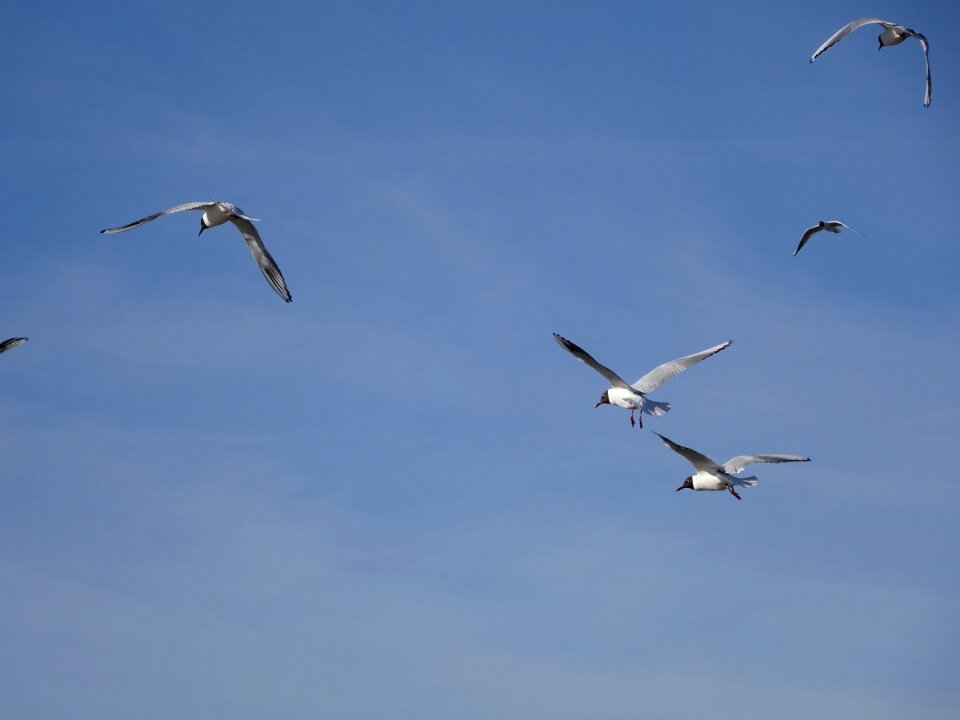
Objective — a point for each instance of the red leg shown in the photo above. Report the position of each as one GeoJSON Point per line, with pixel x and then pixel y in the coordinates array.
{"type": "Point", "coordinates": [734, 493]}
{"type": "Point", "coordinates": [633, 423]}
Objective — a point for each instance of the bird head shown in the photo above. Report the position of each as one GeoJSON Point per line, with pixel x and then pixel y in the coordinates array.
{"type": "Point", "coordinates": [203, 224]}
{"type": "Point", "coordinates": [604, 399]}
{"type": "Point", "coordinates": [687, 484]}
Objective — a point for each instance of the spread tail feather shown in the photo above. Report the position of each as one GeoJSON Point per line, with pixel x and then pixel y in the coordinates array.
{"type": "Point", "coordinates": [654, 407]}
{"type": "Point", "coordinates": [744, 482]}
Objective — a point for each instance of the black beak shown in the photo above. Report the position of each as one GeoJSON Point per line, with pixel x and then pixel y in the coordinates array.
{"type": "Point", "coordinates": [202, 228]}
{"type": "Point", "coordinates": [680, 488]}
{"type": "Point", "coordinates": [596, 405]}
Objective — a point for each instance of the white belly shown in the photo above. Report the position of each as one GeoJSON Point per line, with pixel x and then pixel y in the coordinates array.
{"type": "Point", "coordinates": [891, 36]}
{"type": "Point", "coordinates": [621, 397]}
{"type": "Point", "coordinates": [216, 216]}
{"type": "Point", "coordinates": [706, 481]}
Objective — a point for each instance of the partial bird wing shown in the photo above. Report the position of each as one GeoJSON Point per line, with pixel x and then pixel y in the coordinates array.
{"type": "Point", "coordinates": [844, 31]}
{"type": "Point", "coordinates": [659, 375]}
{"type": "Point", "coordinates": [699, 461]}
{"type": "Point", "coordinates": [264, 260]}
{"type": "Point", "coordinates": [843, 224]}
{"type": "Point", "coordinates": [738, 463]}
{"type": "Point", "coordinates": [11, 343]}
{"type": "Point", "coordinates": [583, 356]}
{"type": "Point", "coordinates": [928, 89]}
{"type": "Point", "coordinates": [237, 212]}
{"type": "Point", "coordinates": [808, 233]}
{"type": "Point", "coordinates": [168, 211]}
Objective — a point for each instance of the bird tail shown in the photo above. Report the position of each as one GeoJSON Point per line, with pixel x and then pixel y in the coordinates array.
{"type": "Point", "coordinates": [655, 407]}
{"type": "Point", "coordinates": [744, 482]}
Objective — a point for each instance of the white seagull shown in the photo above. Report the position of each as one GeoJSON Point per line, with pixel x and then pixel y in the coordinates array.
{"type": "Point", "coordinates": [714, 476]}
{"type": "Point", "coordinates": [216, 213]}
{"type": "Point", "coordinates": [634, 397]}
{"type": "Point", "coordinates": [828, 225]}
{"type": "Point", "coordinates": [892, 34]}
{"type": "Point", "coordinates": [11, 343]}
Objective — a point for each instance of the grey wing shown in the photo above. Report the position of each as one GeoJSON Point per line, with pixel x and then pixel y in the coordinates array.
{"type": "Point", "coordinates": [844, 31]}
{"type": "Point", "coordinates": [660, 374]}
{"type": "Point", "coordinates": [738, 463]}
{"type": "Point", "coordinates": [847, 226]}
{"type": "Point", "coordinates": [583, 356]}
{"type": "Point", "coordinates": [168, 211]}
{"type": "Point", "coordinates": [698, 460]}
{"type": "Point", "coordinates": [264, 260]}
{"type": "Point", "coordinates": [928, 91]}
{"type": "Point", "coordinates": [11, 343]}
{"type": "Point", "coordinates": [810, 232]}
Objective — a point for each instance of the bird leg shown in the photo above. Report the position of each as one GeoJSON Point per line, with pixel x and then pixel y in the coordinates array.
{"type": "Point", "coordinates": [633, 423]}
{"type": "Point", "coordinates": [734, 493]}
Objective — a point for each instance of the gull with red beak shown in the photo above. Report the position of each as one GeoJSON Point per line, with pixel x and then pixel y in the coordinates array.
{"type": "Point", "coordinates": [712, 475]}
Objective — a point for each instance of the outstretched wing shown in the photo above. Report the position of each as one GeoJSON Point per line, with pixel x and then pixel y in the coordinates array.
{"type": "Point", "coordinates": [738, 463]}
{"type": "Point", "coordinates": [583, 356]}
{"type": "Point", "coordinates": [168, 211]}
{"type": "Point", "coordinates": [699, 461]}
{"type": "Point", "coordinates": [659, 375]}
{"type": "Point", "coordinates": [809, 233]}
{"type": "Point", "coordinates": [844, 31]}
{"type": "Point", "coordinates": [264, 260]}
{"type": "Point", "coordinates": [928, 89]}
{"type": "Point", "coordinates": [11, 343]}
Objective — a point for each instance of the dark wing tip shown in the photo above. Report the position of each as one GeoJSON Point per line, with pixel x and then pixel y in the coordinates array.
{"type": "Point", "coordinates": [571, 347]}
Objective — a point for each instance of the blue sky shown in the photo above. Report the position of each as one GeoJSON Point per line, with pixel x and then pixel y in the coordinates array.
{"type": "Point", "coordinates": [392, 499]}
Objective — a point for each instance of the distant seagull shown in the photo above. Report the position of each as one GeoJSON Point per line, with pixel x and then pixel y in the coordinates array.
{"type": "Point", "coordinates": [633, 396]}
{"type": "Point", "coordinates": [892, 34]}
{"type": "Point", "coordinates": [217, 213]}
{"type": "Point", "coordinates": [714, 476]}
{"type": "Point", "coordinates": [828, 225]}
{"type": "Point", "coordinates": [11, 343]}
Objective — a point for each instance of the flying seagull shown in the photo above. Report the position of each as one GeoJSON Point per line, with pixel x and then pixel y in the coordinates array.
{"type": "Point", "coordinates": [11, 343]}
{"type": "Point", "coordinates": [714, 476]}
{"type": "Point", "coordinates": [216, 213]}
{"type": "Point", "coordinates": [828, 225]}
{"type": "Point", "coordinates": [634, 397]}
{"type": "Point", "coordinates": [892, 34]}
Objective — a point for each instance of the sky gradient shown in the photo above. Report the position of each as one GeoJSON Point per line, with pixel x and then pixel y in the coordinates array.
{"type": "Point", "coordinates": [391, 499]}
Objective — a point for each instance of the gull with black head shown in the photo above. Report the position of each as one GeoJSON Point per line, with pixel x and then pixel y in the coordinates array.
{"type": "Point", "coordinates": [828, 225]}
{"type": "Point", "coordinates": [712, 475]}
{"type": "Point", "coordinates": [217, 213]}
{"type": "Point", "coordinates": [634, 397]}
{"type": "Point", "coordinates": [892, 34]}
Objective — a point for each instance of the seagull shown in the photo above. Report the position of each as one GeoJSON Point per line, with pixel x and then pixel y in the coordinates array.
{"type": "Point", "coordinates": [216, 213]}
{"type": "Point", "coordinates": [828, 225]}
{"type": "Point", "coordinates": [714, 476]}
{"type": "Point", "coordinates": [892, 34]}
{"type": "Point", "coordinates": [11, 343]}
{"type": "Point", "coordinates": [634, 396]}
